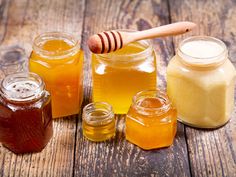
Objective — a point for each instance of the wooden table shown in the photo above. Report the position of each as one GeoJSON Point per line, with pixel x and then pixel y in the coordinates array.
{"type": "Point", "coordinates": [194, 152]}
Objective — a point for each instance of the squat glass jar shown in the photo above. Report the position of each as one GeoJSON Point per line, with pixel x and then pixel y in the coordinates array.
{"type": "Point", "coordinates": [118, 75]}
{"type": "Point", "coordinates": [151, 121]}
{"type": "Point", "coordinates": [25, 113]}
{"type": "Point", "coordinates": [57, 58]}
{"type": "Point", "coordinates": [201, 81]}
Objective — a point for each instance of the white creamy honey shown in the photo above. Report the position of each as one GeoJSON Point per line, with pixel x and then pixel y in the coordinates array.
{"type": "Point", "coordinates": [200, 82]}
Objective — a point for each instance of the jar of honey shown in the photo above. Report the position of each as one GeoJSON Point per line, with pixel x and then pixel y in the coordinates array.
{"type": "Point", "coordinates": [151, 121]}
{"type": "Point", "coordinates": [98, 121]}
{"type": "Point", "coordinates": [25, 113]}
{"type": "Point", "coordinates": [57, 58]}
{"type": "Point", "coordinates": [201, 81]}
{"type": "Point", "coordinates": [118, 75]}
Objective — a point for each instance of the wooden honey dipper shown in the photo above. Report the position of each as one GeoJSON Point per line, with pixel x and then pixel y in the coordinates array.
{"type": "Point", "coordinates": [109, 41]}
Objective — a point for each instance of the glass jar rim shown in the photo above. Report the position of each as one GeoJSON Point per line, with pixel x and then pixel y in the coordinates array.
{"type": "Point", "coordinates": [15, 48]}
{"type": "Point", "coordinates": [198, 61]}
{"type": "Point", "coordinates": [135, 56]}
{"type": "Point", "coordinates": [92, 107]}
{"type": "Point", "coordinates": [9, 79]}
{"type": "Point", "coordinates": [55, 35]}
{"type": "Point", "coordinates": [157, 94]}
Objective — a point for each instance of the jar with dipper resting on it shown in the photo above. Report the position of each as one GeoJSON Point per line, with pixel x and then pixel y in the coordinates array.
{"type": "Point", "coordinates": [57, 58]}
{"type": "Point", "coordinates": [201, 81]}
{"type": "Point", "coordinates": [25, 113]}
{"type": "Point", "coordinates": [98, 121]}
{"type": "Point", "coordinates": [151, 121]}
{"type": "Point", "coordinates": [118, 75]}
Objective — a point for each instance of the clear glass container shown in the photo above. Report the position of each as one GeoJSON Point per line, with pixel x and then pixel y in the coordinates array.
{"type": "Point", "coordinates": [118, 75]}
{"type": "Point", "coordinates": [26, 114]}
{"type": "Point", "coordinates": [57, 58]}
{"type": "Point", "coordinates": [98, 121]}
{"type": "Point", "coordinates": [12, 60]}
{"type": "Point", "coordinates": [151, 121]}
{"type": "Point", "coordinates": [201, 81]}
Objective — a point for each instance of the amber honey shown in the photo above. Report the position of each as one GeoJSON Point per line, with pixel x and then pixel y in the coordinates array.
{"type": "Point", "coordinates": [26, 114]}
{"type": "Point", "coordinates": [98, 122]}
{"type": "Point", "coordinates": [57, 59]}
{"type": "Point", "coordinates": [151, 121]}
{"type": "Point", "coordinates": [117, 76]}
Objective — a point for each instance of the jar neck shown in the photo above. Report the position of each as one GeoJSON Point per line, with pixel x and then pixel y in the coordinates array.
{"type": "Point", "coordinates": [40, 40]}
{"type": "Point", "coordinates": [123, 56]}
{"type": "Point", "coordinates": [209, 52]}
{"type": "Point", "coordinates": [97, 113]}
{"type": "Point", "coordinates": [22, 87]}
{"type": "Point", "coordinates": [151, 102]}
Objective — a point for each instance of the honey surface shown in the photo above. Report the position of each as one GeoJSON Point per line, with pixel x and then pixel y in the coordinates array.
{"type": "Point", "coordinates": [117, 82]}
{"type": "Point", "coordinates": [151, 129]}
{"type": "Point", "coordinates": [95, 130]}
{"type": "Point", "coordinates": [62, 76]}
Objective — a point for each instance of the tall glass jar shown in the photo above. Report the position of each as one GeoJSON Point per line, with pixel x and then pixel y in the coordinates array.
{"type": "Point", "coordinates": [117, 76]}
{"type": "Point", "coordinates": [57, 58]}
{"type": "Point", "coordinates": [201, 81]}
{"type": "Point", "coordinates": [26, 114]}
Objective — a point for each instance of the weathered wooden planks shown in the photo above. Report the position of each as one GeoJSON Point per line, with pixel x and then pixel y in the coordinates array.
{"type": "Point", "coordinates": [212, 153]}
{"type": "Point", "coordinates": [20, 22]}
{"type": "Point", "coordinates": [118, 157]}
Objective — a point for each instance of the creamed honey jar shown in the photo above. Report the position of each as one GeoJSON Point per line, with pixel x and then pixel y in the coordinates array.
{"type": "Point", "coordinates": [201, 82]}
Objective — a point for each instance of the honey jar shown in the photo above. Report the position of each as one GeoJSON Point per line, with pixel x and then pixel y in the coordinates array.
{"type": "Point", "coordinates": [98, 121]}
{"type": "Point", "coordinates": [201, 81]}
{"type": "Point", "coordinates": [57, 58]}
{"type": "Point", "coordinates": [118, 75]}
{"type": "Point", "coordinates": [25, 113]}
{"type": "Point", "coordinates": [151, 120]}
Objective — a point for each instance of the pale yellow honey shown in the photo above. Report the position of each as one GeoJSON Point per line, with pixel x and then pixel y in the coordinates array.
{"type": "Point", "coordinates": [116, 81]}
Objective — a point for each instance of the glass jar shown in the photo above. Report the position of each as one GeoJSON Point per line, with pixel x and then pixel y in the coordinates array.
{"type": "Point", "coordinates": [118, 75]}
{"type": "Point", "coordinates": [26, 115]}
{"type": "Point", "coordinates": [98, 121]}
{"type": "Point", "coordinates": [12, 60]}
{"type": "Point", "coordinates": [57, 58]}
{"type": "Point", "coordinates": [151, 121]}
{"type": "Point", "coordinates": [200, 82]}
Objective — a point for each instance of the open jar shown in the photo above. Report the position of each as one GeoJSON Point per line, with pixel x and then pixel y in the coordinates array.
{"type": "Point", "coordinates": [200, 82]}
{"type": "Point", "coordinates": [57, 58]}
{"type": "Point", "coordinates": [98, 121]}
{"type": "Point", "coordinates": [151, 121]}
{"type": "Point", "coordinates": [118, 75]}
{"type": "Point", "coordinates": [26, 115]}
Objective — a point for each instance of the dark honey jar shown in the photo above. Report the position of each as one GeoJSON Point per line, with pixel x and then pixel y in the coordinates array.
{"type": "Point", "coordinates": [25, 113]}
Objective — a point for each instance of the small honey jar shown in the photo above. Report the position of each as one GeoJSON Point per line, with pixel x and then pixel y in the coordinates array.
{"type": "Point", "coordinates": [151, 121]}
{"type": "Point", "coordinates": [98, 121]}
{"type": "Point", "coordinates": [25, 113]}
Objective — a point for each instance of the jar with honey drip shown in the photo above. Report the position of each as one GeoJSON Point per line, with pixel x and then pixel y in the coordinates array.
{"type": "Point", "coordinates": [151, 120]}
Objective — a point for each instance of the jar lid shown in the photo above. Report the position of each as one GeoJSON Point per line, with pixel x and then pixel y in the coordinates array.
{"type": "Point", "coordinates": [21, 87]}
{"type": "Point", "coordinates": [202, 51]}
{"type": "Point", "coordinates": [12, 55]}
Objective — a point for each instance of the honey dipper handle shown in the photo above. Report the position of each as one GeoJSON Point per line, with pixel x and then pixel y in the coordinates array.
{"type": "Point", "coordinates": [166, 30]}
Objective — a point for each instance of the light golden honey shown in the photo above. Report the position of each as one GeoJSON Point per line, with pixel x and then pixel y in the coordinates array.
{"type": "Point", "coordinates": [151, 122]}
{"type": "Point", "coordinates": [98, 122]}
{"type": "Point", "coordinates": [60, 66]}
{"type": "Point", "coordinates": [117, 76]}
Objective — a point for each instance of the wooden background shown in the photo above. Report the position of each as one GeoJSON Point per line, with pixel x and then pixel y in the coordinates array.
{"type": "Point", "coordinates": [194, 152]}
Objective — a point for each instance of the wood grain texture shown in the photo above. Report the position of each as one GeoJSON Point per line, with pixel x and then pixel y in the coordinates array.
{"type": "Point", "coordinates": [212, 153]}
{"type": "Point", "coordinates": [20, 22]}
{"type": "Point", "coordinates": [119, 157]}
